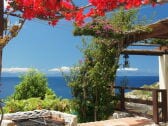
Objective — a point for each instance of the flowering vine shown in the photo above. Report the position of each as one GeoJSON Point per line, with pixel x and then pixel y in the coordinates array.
{"type": "Point", "coordinates": [98, 28]}
{"type": "Point", "coordinates": [53, 10]}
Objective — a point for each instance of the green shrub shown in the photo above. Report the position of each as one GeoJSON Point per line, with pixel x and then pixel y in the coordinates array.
{"type": "Point", "coordinates": [13, 106]}
{"type": "Point", "coordinates": [30, 104]}
{"type": "Point", "coordinates": [33, 93]}
{"type": "Point", "coordinates": [33, 84]}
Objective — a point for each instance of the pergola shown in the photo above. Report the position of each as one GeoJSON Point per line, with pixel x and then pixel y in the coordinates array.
{"type": "Point", "coordinates": [158, 30]}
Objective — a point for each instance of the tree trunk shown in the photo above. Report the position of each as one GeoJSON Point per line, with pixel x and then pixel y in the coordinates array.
{"type": "Point", "coordinates": [1, 50]}
{"type": "Point", "coordinates": [1, 47]}
{"type": "Point", "coordinates": [1, 31]}
{"type": "Point", "coordinates": [96, 105]}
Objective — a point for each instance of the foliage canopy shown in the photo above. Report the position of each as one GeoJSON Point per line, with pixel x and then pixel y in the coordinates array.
{"type": "Point", "coordinates": [53, 10]}
{"type": "Point", "coordinates": [92, 84]}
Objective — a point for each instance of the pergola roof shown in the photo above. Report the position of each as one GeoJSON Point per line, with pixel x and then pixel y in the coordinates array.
{"type": "Point", "coordinates": [157, 30]}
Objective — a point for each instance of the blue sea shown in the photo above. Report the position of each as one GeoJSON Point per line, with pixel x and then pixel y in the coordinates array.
{"type": "Point", "coordinates": [59, 85]}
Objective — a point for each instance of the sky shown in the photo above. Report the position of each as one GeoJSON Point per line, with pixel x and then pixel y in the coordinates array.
{"type": "Point", "coordinates": [51, 49]}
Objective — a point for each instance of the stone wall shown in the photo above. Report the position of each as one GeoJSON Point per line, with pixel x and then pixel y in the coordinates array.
{"type": "Point", "coordinates": [12, 119]}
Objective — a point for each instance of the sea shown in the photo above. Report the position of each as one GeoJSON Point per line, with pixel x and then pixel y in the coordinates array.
{"type": "Point", "coordinates": [60, 87]}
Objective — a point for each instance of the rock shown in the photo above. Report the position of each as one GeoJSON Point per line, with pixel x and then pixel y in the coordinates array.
{"type": "Point", "coordinates": [27, 115]}
{"type": "Point", "coordinates": [119, 114]}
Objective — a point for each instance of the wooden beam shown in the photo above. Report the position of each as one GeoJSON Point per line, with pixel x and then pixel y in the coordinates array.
{"type": "Point", "coordinates": [144, 44]}
{"type": "Point", "coordinates": [144, 52]}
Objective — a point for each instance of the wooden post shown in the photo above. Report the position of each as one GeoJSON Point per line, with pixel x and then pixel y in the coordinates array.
{"type": "Point", "coordinates": [164, 105]}
{"type": "Point", "coordinates": [155, 106]}
{"type": "Point", "coordinates": [122, 98]}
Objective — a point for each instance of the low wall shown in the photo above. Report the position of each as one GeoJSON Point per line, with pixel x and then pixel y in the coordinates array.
{"type": "Point", "coordinates": [37, 116]}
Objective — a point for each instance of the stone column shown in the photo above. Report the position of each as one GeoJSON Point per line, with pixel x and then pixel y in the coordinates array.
{"type": "Point", "coordinates": [163, 73]}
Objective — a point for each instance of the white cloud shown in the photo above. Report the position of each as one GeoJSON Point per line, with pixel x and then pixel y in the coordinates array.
{"type": "Point", "coordinates": [15, 70]}
{"type": "Point", "coordinates": [67, 69]}
{"type": "Point", "coordinates": [127, 69]}
{"type": "Point", "coordinates": [62, 69]}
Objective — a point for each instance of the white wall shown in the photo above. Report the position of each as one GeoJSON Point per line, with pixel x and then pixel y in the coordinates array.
{"type": "Point", "coordinates": [163, 73]}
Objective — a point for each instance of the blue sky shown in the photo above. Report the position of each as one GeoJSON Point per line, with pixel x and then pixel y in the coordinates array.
{"type": "Point", "coordinates": [48, 49]}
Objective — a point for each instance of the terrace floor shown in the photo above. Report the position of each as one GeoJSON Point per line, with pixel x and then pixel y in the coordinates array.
{"type": "Point", "coordinates": [128, 121]}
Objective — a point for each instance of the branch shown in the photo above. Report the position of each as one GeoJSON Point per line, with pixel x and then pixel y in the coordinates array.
{"type": "Point", "coordinates": [84, 7]}
{"type": "Point", "coordinates": [12, 14]}
{"type": "Point", "coordinates": [13, 32]}
{"type": "Point", "coordinates": [72, 3]}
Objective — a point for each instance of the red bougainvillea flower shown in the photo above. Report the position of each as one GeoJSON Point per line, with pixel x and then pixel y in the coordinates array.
{"type": "Point", "coordinates": [53, 10]}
